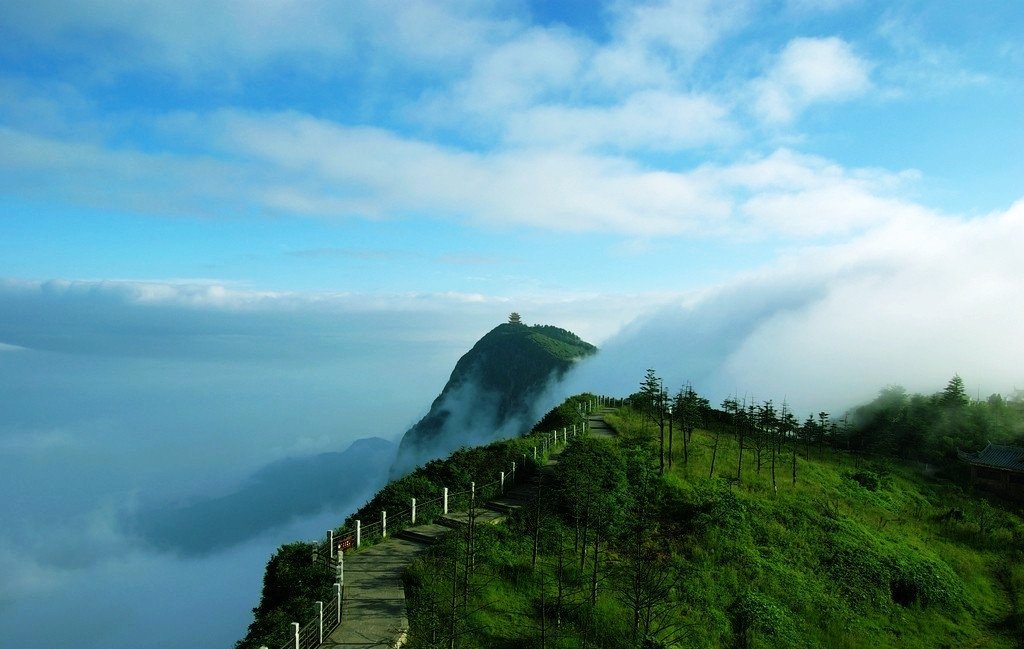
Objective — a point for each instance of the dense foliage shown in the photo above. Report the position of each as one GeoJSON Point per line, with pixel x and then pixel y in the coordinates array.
{"type": "Point", "coordinates": [564, 415]}
{"type": "Point", "coordinates": [619, 551]}
{"type": "Point", "coordinates": [931, 428]}
{"type": "Point", "coordinates": [292, 583]}
{"type": "Point", "coordinates": [496, 384]}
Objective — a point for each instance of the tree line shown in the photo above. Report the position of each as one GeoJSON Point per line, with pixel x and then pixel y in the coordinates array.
{"type": "Point", "coordinates": [927, 428]}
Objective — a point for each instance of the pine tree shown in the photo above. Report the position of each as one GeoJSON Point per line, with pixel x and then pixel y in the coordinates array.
{"type": "Point", "coordinates": [955, 395]}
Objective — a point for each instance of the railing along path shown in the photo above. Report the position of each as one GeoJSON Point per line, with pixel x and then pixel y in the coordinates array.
{"type": "Point", "coordinates": [329, 613]}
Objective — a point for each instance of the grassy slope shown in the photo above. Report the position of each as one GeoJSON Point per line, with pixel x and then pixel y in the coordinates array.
{"type": "Point", "coordinates": [827, 562]}
{"type": "Point", "coordinates": [291, 584]}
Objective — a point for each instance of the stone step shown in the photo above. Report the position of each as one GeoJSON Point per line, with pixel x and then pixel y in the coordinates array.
{"type": "Point", "coordinates": [450, 522]}
{"type": "Point", "coordinates": [459, 520]}
{"type": "Point", "coordinates": [504, 505]}
{"type": "Point", "coordinates": [427, 534]}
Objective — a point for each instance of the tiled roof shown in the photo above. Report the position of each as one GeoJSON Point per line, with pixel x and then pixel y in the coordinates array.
{"type": "Point", "coordinates": [1010, 458]}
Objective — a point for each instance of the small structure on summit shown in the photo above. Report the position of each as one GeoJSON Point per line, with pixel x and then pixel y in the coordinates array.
{"type": "Point", "coordinates": [998, 467]}
{"type": "Point", "coordinates": [513, 318]}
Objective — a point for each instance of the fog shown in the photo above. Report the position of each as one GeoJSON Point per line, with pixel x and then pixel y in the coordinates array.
{"type": "Point", "coordinates": [469, 415]}
{"type": "Point", "coordinates": [910, 303]}
{"type": "Point", "coordinates": [158, 442]}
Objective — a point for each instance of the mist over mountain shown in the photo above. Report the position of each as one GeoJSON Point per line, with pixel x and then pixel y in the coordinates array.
{"type": "Point", "coordinates": [494, 390]}
{"type": "Point", "coordinates": [273, 496]}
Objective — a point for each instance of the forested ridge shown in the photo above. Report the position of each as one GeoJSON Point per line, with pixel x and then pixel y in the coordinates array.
{"type": "Point", "coordinates": [751, 528]}
{"type": "Point", "coordinates": [741, 525]}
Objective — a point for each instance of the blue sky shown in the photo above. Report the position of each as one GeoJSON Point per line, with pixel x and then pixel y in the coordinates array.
{"type": "Point", "coordinates": [236, 232]}
{"type": "Point", "coordinates": [396, 147]}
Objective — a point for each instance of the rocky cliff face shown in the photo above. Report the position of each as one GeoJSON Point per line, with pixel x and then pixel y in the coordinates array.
{"type": "Point", "coordinates": [493, 391]}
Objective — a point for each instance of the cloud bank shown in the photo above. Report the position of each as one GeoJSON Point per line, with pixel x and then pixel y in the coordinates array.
{"type": "Point", "coordinates": [909, 303]}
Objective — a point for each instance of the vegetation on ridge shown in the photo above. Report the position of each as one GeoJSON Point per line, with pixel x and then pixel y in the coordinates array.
{"type": "Point", "coordinates": [292, 582]}
{"type": "Point", "coordinates": [492, 390]}
{"type": "Point", "coordinates": [860, 549]}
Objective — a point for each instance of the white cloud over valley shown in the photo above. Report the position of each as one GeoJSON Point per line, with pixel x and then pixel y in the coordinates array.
{"type": "Point", "coordinates": [910, 303]}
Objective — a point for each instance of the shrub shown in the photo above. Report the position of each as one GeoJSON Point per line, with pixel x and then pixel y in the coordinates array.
{"type": "Point", "coordinates": [867, 479]}
{"type": "Point", "coordinates": [755, 613]}
{"type": "Point", "coordinates": [873, 572]}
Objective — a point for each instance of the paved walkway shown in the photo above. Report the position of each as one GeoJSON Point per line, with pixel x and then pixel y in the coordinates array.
{"type": "Point", "coordinates": [597, 425]}
{"type": "Point", "coordinates": [374, 602]}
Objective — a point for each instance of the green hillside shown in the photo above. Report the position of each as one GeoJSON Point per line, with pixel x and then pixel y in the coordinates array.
{"type": "Point", "coordinates": [292, 583]}
{"type": "Point", "coordinates": [494, 386]}
{"type": "Point", "coordinates": [858, 552]}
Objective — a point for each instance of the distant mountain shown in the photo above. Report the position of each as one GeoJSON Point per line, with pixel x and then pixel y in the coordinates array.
{"type": "Point", "coordinates": [493, 390]}
{"type": "Point", "coordinates": [272, 497]}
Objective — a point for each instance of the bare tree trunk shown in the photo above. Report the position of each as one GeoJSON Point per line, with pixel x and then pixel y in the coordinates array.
{"type": "Point", "coordinates": [597, 561]}
{"type": "Point", "coordinates": [739, 464]}
{"type": "Point", "coordinates": [536, 524]}
{"type": "Point", "coordinates": [686, 449]}
{"type": "Point", "coordinates": [775, 487]}
{"type": "Point", "coordinates": [670, 443]}
{"type": "Point", "coordinates": [794, 465]}
{"type": "Point", "coordinates": [561, 579]}
{"type": "Point", "coordinates": [583, 545]}
{"type": "Point", "coordinates": [543, 612]}
{"type": "Point", "coordinates": [455, 598]}
{"type": "Point", "coordinates": [661, 460]}
{"type": "Point", "coordinates": [714, 453]}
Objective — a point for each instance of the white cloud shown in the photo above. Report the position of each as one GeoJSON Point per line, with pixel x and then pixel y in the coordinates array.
{"type": "Point", "coordinates": [923, 67]}
{"type": "Point", "coordinates": [807, 197]}
{"type": "Point", "coordinates": [649, 120]}
{"type": "Point", "coordinates": [681, 29]}
{"type": "Point", "coordinates": [385, 175]}
{"type": "Point", "coordinates": [838, 208]}
{"type": "Point", "coordinates": [911, 302]}
{"type": "Point", "coordinates": [37, 441]}
{"type": "Point", "coordinates": [809, 71]}
{"type": "Point", "coordinates": [517, 73]}
{"type": "Point", "coordinates": [292, 163]}
{"type": "Point", "coordinates": [219, 39]}
{"type": "Point", "coordinates": [24, 576]}
{"type": "Point", "coordinates": [819, 5]}
{"type": "Point", "coordinates": [547, 189]}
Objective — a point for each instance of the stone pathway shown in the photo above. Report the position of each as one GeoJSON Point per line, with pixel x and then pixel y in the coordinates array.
{"type": "Point", "coordinates": [374, 602]}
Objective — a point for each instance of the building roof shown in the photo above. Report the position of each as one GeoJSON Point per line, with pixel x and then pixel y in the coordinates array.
{"type": "Point", "coordinates": [1009, 458]}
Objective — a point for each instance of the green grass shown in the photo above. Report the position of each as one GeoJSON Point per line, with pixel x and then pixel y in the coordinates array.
{"type": "Point", "coordinates": [856, 554]}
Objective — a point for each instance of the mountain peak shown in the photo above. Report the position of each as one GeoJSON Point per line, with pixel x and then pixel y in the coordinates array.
{"type": "Point", "coordinates": [493, 390]}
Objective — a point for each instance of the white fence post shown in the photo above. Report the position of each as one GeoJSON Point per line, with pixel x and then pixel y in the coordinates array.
{"type": "Point", "coordinates": [502, 482]}
{"type": "Point", "coordinates": [413, 511]}
{"type": "Point", "coordinates": [341, 567]}
{"type": "Point", "coordinates": [383, 523]}
{"type": "Point", "coordinates": [513, 471]}
{"type": "Point", "coordinates": [320, 613]}
{"type": "Point", "coordinates": [472, 493]}
{"type": "Point", "coordinates": [330, 542]}
{"type": "Point", "coordinates": [296, 625]}
{"type": "Point", "coordinates": [359, 532]}
{"type": "Point", "coordinates": [446, 501]}
{"type": "Point", "coordinates": [337, 599]}
{"type": "Point", "coordinates": [534, 453]}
